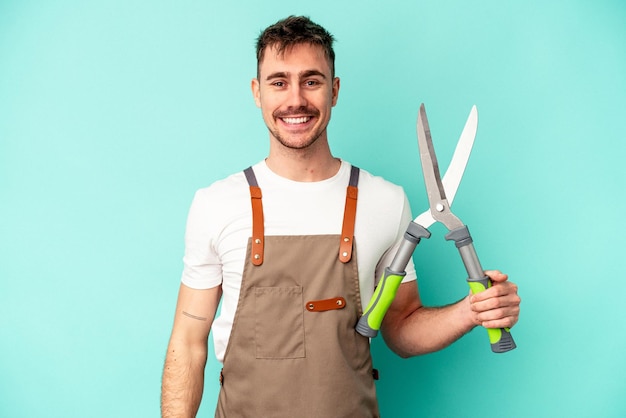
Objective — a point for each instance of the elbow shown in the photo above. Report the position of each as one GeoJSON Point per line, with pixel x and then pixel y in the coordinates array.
{"type": "Point", "coordinates": [399, 347]}
{"type": "Point", "coordinates": [403, 354]}
{"type": "Point", "coordinates": [406, 353]}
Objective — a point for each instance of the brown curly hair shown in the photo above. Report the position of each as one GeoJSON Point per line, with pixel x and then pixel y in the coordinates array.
{"type": "Point", "coordinates": [295, 30]}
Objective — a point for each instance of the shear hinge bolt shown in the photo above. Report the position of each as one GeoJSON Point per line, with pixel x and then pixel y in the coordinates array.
{"type": "Point", "coordinates": [439, 207]}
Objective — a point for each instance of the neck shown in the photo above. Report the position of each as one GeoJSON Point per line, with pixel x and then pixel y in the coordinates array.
{"type": "Point", "coordinates": [306, 165]}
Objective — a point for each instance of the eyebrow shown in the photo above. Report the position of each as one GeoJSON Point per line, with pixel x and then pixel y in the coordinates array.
{"type": "Point", "coordinates": [310, 73]}
{"type": "Point", "coordinates": [303, 74]}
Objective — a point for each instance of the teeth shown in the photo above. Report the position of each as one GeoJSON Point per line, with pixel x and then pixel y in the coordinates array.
{"type": "Point", "coordinates": [293, 121]}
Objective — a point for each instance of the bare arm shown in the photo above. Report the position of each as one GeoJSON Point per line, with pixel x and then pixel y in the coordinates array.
{"type": "Point", "coordinates": [410, 329]}
{"type": "Point", "coordinates": [183, 374]}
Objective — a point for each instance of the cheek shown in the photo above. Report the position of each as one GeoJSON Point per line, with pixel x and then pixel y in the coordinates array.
{"type": "Point", "coordinates": [268, 113]}
{"type": "Point", "coordinates": [268, 103]}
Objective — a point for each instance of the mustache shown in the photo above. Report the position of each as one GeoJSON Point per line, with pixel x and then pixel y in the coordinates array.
{"type": "Point", "coordinates": [300, 111]}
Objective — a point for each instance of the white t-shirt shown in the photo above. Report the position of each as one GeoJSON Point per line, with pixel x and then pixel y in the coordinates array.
{"type": "Point", "coordinates": [220, 223]}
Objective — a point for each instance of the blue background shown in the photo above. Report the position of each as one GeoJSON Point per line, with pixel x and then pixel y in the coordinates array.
{"type": "Point", "coordinates": [112, 113]}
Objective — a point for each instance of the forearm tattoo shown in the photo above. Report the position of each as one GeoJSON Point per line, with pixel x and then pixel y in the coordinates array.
{"type": "Point", "coordinates": [199, 318]}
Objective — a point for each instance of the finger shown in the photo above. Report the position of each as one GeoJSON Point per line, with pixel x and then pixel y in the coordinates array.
{"type": "Point", "coordinates": [496, 276]}
{"type": "Point", "coordinates": [505, 296]}
{"type": "Point", "coordinates": [505, 309]}
{"type": "Point", "coordinates": [499, 318]}
{"type": "Point", "coordinates": [508, 322]}
{"type": "Point", "coordinates": [496, 308]}
{"type": "Point", "coordinates": [498, 289]}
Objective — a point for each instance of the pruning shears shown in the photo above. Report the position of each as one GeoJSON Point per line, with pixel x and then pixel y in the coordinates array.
{"type": "Point", "coordinates": [440, 196]}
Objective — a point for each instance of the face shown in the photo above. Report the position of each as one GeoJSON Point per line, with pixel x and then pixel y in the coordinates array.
{"type": "Point", "coordinates": [296, 92]}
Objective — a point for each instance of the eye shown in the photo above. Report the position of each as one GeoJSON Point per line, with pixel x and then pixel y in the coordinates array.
{"type": "Point", "coordinates": [311, 83]}
{"type": "Point", "coordinates": [278, 84]}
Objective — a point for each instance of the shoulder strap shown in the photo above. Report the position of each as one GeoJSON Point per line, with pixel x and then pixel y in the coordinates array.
{"type": "Point", "coordinates": [258, 232]}
{"type": "Point", "coordinates": [349, 216]}
{"type": "Point", "coordinates": [347, 230]}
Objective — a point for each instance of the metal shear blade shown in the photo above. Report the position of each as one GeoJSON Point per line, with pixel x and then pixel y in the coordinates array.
{"type": "Point", "coordinates": [440, 192]}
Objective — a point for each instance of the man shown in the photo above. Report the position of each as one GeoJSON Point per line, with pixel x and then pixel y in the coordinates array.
{"type": "Point", "coordinates": [292, 248]}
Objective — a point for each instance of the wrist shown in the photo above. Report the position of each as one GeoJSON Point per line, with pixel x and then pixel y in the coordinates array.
{"type": "Point", "coordinates": [467, 315]}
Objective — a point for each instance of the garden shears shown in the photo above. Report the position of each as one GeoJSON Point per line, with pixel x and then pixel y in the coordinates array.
{"type": "Point", "coordinates": [440, 196]}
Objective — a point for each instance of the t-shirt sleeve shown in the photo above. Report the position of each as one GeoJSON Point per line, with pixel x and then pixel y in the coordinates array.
{"type": "Point", "coordinates": [202, 266]}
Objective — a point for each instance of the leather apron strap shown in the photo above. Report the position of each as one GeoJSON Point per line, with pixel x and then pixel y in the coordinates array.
{"type": "Point", "coordinates": [347, 230]}
{"type": "Point", "coordinates": [258, 232]}
{"type": "Point", "coordinates": [349, 216]}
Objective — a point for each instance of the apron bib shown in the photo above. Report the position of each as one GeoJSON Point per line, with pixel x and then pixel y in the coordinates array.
{"type": "Point", "coordinates": [293, 350]}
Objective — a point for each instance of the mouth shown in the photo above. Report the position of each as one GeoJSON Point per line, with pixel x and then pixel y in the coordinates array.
{"type": "Point", "coordinates": [297, 118]}
{"type": "Point", "coordinates": [296, 121]}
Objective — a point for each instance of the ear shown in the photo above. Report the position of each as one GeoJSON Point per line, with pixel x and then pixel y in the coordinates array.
{"type": "Point", "coordinates": [256, 91]}
{"type": "Point", "coordinates": [336, 85]}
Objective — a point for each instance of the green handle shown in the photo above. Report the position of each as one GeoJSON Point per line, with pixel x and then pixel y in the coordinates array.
{"type": "Point", "coordinates": [500, 338]}
{"type": "Point", "coordinates": [385, 292]}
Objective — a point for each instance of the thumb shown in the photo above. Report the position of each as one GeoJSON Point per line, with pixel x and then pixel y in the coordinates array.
{"type": "Point", "coordinates": [496, 276]}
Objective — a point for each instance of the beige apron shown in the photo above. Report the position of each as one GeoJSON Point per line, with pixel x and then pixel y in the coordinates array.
{"type": "Point", "coordinates": [293, 351]}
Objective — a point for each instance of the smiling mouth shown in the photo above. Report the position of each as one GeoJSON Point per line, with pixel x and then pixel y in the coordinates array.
{"type": "Point", "coordinates": [296, 121]}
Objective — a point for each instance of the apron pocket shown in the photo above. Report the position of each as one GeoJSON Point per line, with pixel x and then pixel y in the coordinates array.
{"type": "Point", "coordinates": [279, 322]}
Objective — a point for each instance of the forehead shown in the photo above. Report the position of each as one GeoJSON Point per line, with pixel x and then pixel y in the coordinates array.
{"type": "Point", "coordinates": [294, 59]}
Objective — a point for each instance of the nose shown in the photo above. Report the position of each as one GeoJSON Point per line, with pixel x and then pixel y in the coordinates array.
{"type": "Point", "coordinates": [296, 97]}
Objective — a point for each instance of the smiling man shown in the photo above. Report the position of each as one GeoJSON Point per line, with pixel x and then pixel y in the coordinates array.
{"type": "Point", "coordinates": [296, 90]}
{"type": "Point", "coordinates": [293, 257]}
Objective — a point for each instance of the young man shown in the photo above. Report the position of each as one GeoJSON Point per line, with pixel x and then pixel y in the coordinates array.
{"type": "Point", "coordinates": [294, 255]}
